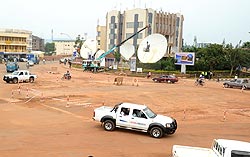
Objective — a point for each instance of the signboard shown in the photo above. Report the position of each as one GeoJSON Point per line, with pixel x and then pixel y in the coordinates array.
{"type": "Point", "coordinates": [185, 58]}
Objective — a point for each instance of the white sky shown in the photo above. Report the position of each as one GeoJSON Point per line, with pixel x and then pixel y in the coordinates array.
{"type": "Point", "coordinates": [208, 20]}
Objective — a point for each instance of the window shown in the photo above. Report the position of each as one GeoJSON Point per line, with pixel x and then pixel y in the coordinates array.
{"type": "Point", "coordinates": [124, 111]}
{"type": "Point", "coordinates": [236, 153]}
{"type": "Point", "coordinates": [138, 113]}
{"type": "Point", "coordinates": [98, 33]}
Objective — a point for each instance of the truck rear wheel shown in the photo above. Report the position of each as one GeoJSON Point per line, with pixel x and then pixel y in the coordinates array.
{"type": "Point", "coordinates": [156, 132]}
{"type": "Point", "coordinates": [15, 80]}
{"type": "Point", "coordinates": [109, 125]}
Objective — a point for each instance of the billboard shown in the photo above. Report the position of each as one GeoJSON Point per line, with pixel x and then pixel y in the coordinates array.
{"type": "Point", "coordinates": [185, 58]}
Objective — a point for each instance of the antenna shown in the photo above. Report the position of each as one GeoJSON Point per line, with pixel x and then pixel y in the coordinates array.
{"type": "Point", "coordinates": [52, 35]}
{"type": "Point", "coordinates": [152, 48]}
{"type": "Point", "coordinates": [127, 50]}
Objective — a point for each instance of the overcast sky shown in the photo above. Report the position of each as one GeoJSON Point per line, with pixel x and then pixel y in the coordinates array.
{"type": "Point", "coordinates": [210, 21]}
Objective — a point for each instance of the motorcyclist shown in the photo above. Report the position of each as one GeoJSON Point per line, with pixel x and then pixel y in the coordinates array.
{"type": "Point", "coordinates": [67, 75]}
{"type": "Point", "coordinates": [200, 80]}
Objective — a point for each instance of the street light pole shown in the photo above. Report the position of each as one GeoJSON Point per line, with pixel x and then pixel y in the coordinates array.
{"type": "Point", "coordinates": [66, 35]}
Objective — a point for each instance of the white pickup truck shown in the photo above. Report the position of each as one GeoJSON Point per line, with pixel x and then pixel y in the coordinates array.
{"type": "Point", "coordinates": [220, 148]}
{"type": "Point", "coordinates": [135, 117]}
{"type": "Point", "coordinates": [20, 76]}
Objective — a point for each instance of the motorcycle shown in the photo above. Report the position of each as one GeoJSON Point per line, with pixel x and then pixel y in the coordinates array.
{"type": "Point", "coordinates": [66, 77]}
{"type": "Point", "coordinates": [199, 82]}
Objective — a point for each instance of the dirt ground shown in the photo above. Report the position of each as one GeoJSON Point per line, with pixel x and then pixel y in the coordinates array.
{"type": "Point", "coordinates": [53, 117]}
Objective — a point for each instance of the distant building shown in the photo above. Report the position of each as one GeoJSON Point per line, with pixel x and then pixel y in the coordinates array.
{"type": "Point", "coordinates": [202, 45]}
{"type": "Point", "coordinates": [120, 26]}
{"type": "Point", "coordinates": [37, 44]}
{"type": "Point", "coordinates": [64, 47]}
{"type": "Point", "coordinates": [15, 42]}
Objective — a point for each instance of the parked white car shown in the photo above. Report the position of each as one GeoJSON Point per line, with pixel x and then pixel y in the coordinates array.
{"type": "Point", "coordinates": [135, 117]}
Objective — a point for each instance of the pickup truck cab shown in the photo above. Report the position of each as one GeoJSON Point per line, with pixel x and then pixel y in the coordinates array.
{"type": "Point", "coordinates": [220, 148]}
{"type": "Point", "coordinates": [135, 117]}
{"type": "Point", "coordinates": [20, 76]}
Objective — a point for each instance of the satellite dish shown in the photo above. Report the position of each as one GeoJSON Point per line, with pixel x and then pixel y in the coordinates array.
{"type": "Point", "coordinates": [127, 50]}
{"type": "Point", "coordinates": [152, 48]}
{"type": "Point", "coordinates": [91, 44]}
{"type": "Point", "coordinates": [99, 53]}
{"type": "Point", "coordinates": [85, 52]}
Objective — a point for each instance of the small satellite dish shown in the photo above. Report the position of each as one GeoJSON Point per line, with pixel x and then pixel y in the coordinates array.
{"type": "Point", "coordinates": [127, 50]}
{"type": "Point", "coordinates": [85, 52]}
{"type": "Point", "coordinates": [99, 53]}
{"type": "Point", "coordinates": [152, 48]}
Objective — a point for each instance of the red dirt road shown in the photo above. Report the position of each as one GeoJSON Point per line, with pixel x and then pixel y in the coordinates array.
{"type": "Point", "coordinates": [37, 123]}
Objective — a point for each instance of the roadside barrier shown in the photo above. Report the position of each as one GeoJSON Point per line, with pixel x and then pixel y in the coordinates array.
{"type": "Point", "coordinates": [224, 115]}
{"type": "Point", "coordinates": [184, 114]}
{"type": "Point", "coordinates": [12, 94]}
{"type": "Point", "coordinates": [135, 81]}
{"type": "Point", "coordinates": [27, 94]}
{"type": "Point", "coordinates": [42, 97]}
{"type": "Point", "coordinates": [67, 105]}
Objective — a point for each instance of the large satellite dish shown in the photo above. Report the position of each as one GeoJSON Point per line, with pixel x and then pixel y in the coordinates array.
{"type": "Point", "coordinates": [99, 53]}
{"type": "Point", "coordinates": [88, 49]}
{"type": "Point", "coordinates": [85, 52]}
{"type": "Point", "coordinates": [152, 48]}
{"type": "Point", "coordinates": [91, 44]}
{"type": "Point", "coordinates": [127, 50]}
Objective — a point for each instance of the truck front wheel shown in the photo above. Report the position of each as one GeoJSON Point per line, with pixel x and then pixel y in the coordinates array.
{"type": "Point", "coordinates": [156, 132]}
{"type": "Point", "coordinates": [109, 125]}
{"type": "Point", "coordinates": [31, 79]}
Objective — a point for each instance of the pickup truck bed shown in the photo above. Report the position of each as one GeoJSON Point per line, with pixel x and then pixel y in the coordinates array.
{"type": "Point", "coordinates": [187, 151]}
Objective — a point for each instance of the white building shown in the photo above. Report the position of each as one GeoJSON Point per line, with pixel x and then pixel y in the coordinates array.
{"type": "Point", "coordinates": [64, 47]}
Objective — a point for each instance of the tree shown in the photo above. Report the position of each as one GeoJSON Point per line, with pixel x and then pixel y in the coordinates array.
{"type": "Point", "coordinates": [232, 57]}
{"type": "Point", "coordinates": [246, 45]}
{"type": "Point", "coordinates": [117, 56]}
{"type": "Point", "coordinates": [50, 48]}
{"type": "Point", "coordinates": [78, 43]}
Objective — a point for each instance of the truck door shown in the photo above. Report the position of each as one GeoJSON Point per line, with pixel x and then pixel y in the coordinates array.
{"type": "Point", "coordinates": [139, 120]}
{"type": "Point", "coordinates": [123, 117]}
{"type": "Point", "coordinates": [21, 76]}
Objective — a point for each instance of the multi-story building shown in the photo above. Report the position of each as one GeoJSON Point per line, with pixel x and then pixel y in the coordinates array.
{"type": "Point", "coordinates": [37, 44]}
{"type": "Point", "coordinates": [120, 26]}
{"type": "Point", "coordinates": [64, 47]}
{"type": "Point", "coordinates": [15, 42]}
{"type": "Point", "coordinates": [101, 37]}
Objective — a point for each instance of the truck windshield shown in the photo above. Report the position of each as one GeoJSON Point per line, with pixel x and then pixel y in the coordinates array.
{"type": "Point", "coordinates": [237, 153]}
{"type": "Point", "coordinates": [15, 73]}
{"type": "Point", "coordinates": [149, 112]}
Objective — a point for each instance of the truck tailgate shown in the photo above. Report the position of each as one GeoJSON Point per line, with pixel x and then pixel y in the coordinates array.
{"type": "Point", "coordinates": [101, 111]}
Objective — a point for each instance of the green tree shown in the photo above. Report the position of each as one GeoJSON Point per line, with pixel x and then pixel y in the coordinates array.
{"type": "Point", "coordinates": [50, 48]}
{"type": "Point", "coordinates": [246, 45]}
{"type": "Point", "coordinates": [232, 57]}
{"type": "Point", "coordinates": [117, 56]}
{"type": "Point", "coordinates": [78, 43]}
